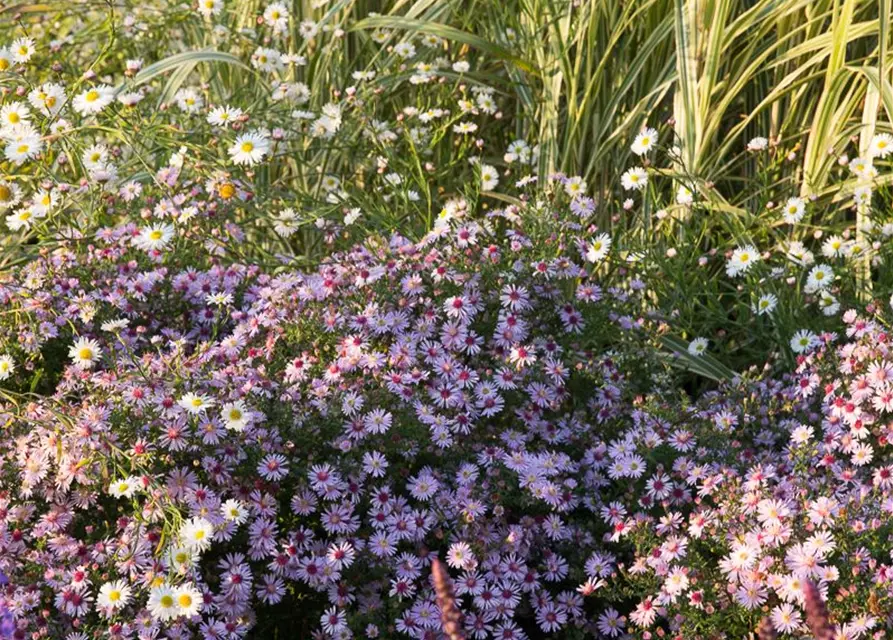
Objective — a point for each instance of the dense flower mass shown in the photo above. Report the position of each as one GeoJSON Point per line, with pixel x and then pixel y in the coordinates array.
{"type": "Point", "coordinates": [481, 396]}
{"type": "Point", "coordinates": [431, 380]}
{"type": "Point", "coordinates": [296, 301]}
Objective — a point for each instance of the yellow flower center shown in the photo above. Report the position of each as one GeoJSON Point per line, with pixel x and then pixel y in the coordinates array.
{"type": "Point", "coordinates": [227, 190]}
{"type": "Point", "coordinates": [114, 596]}
{"type": "Point", "coordinates": [14, 117]}
{"type": "Point", "coordinates": [185, 600]}
{"type": "Point", "coordinates": [235, 414]}
{"type": "Point", "coordinates": [85, 353]}
{"type": "Point", "coordinates": [23, 148]}
{"type": "Point", "coordinates": [167, 601]}
{"type": "Point", "coordinates": [5, 193]}
{"type": "Point", "coordinates": [197, 402]}
{"type": "Point", "coordinates": [247, 147]}
{"type": "Point", "coordinates": [92, 96]}
{"type": "Point", "coordinates": [4, 64]}
{"type": "Point", "coordinates": [155, 234]}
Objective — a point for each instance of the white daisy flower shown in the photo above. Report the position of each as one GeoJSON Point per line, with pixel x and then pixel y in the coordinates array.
{"type": "Point", "coordinates": [113, 326]}
{"type": "Point", "coordinates": [644, 142]}
{"type": "Point", "coordinates": [84, 353]}
{"type": "Point", "coordinates": [820, 278]}
{"type": "Point", "coordinates": [210, 8]}
{"type": "Point", "coordinates": [742, 259]}
{"type": "Point", "coordinates": [155, 237]}
{"type": "Point", "coordinates": [195, 403]}
{"type": "Point", "coordinates": [758, 144]}
{"type": "Point", "coordinates": [489, 177]}
{"type": "Point", "coordinates": [575, 186]}
{"type": "Point", "coordinates": [250, 148]}
{"type": "Point", "coordinates": [124, 488]}
{"type": "Point", "coordinates": [196, 534]}
{"type": "Point", "coordinates": [113, 596]}
{"type": "Point", "coordinates": [634, 179]}
{"type": "Point", "coordinates": [599, 248]}
{"type": "Point", "coordinates": [234, 511]}
{"type": "Point", "coordinates": [698, 346]}
{"type": "Point", "coordinates": [7, 366]}
{"type": "Point", "coordinates": [765, 304]}
{"type": "Point", "coordinates": [235, 415]}
{"type": "Point", "coordinates": [23, 143]}
{"type": "Point", "coordinates": [22, 50]}
{"type": "Point", "coordinates": [881, 145]}
{"type": "Point", "coordinates": [93, 100]}
{"type": "Point", "coordinates": [10, 194]}
{"type": "Point", "coordinates": [803, 341]}
{"type": "Point", "coordinates": [189, 600]}
{"type": "Point", "coordinates": [223, 116]}
{"type": "Point", "coordinates": [162, 603]}
{"type": "Point", "coordinates": [794, 210]}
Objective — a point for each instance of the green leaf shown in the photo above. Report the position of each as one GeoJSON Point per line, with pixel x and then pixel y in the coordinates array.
{"type": "Point", "coordinates": [704, 365]}
{"type": "Point", "coordinates": [447, 33]}
{"type": "Point", "coordinates": [186, 60]}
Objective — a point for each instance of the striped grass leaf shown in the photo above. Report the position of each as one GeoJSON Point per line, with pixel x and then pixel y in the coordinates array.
{"type": "Point", "coordinates": [447, 33]}
{"type": "Point", "coordinates": [187, 59]}
{"type": "Point", "coordinates": [704, 365]}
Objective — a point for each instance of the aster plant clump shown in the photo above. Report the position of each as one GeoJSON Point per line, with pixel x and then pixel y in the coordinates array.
{"type": "Point", "coordinates": [222, 441]}
{"type": "Point", "coordinates": [785, 495]}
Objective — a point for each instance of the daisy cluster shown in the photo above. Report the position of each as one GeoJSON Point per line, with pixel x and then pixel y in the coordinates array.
{"type": "Point", "coordinates": [405, 114]}
{"type": "Point", "coordinates": [792, 257]}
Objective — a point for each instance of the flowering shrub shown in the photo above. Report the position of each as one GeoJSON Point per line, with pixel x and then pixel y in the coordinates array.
{"type": "Point", "coordinates": [248, 438]}
{"type": "Point", "coordinates": [801, 494]}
